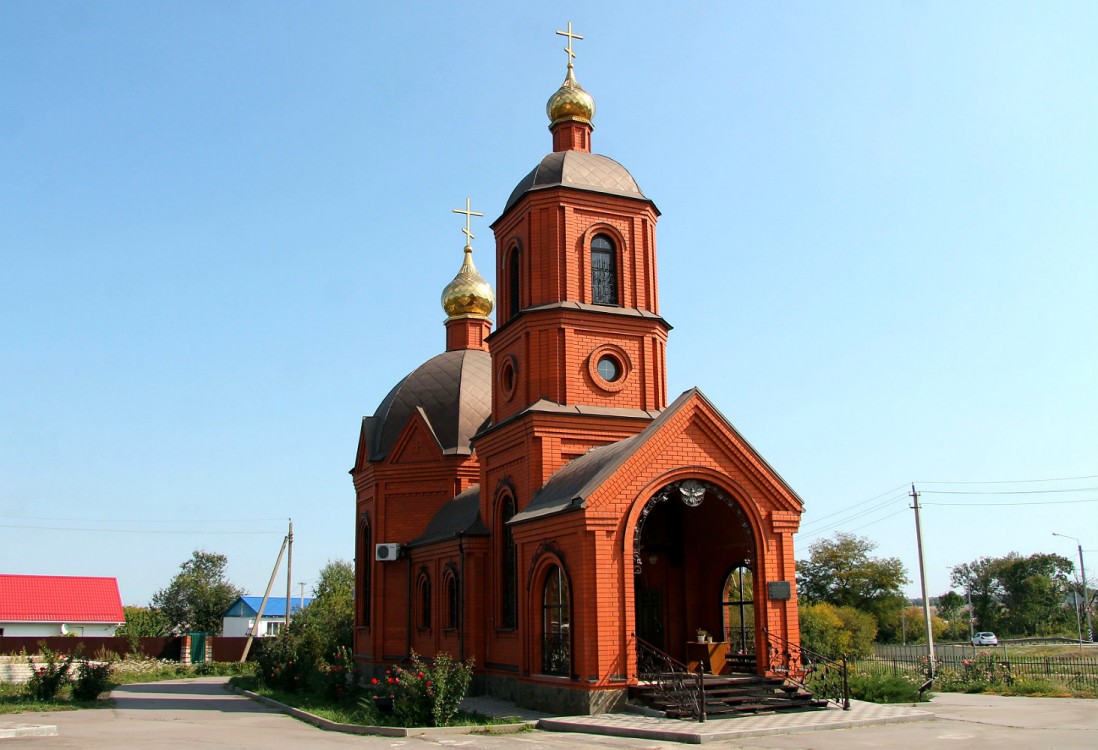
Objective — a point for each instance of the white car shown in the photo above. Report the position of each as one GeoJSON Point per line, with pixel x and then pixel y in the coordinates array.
{"type": "Point", "coordinates": [985, 639]}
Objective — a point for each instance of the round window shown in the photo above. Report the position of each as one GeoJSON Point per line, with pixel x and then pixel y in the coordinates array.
{"type": "Point", "coordinates": [609, 369]}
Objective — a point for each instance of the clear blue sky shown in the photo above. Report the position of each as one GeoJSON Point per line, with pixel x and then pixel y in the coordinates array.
{"type": "Point", "coordinates": [224, 228]}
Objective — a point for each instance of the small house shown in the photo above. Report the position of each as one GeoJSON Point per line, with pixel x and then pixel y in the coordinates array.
{"type": "Point", "coordinates": [43, 606]}
{"type": "Point", "coordinates": [239, 618]}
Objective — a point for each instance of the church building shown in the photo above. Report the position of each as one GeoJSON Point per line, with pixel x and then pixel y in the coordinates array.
{"type": "Point", "coordinates": [530, 499]}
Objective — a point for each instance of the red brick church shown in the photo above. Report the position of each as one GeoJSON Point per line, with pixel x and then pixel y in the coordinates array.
{"type": "Point", "coordinates": [529, 498]}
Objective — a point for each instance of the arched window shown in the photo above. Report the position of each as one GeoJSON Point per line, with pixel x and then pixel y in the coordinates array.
{"type": "Point", "coordinates": [453, 606]}
{"type": "Point", "coordinates": [604, 271]}
{"type": "Point", "coordinates": [508, 568]}
{"type": "Point", "coordinates": [366, 556]}
{"type": "Point", "coordinates": [423, 587]}
{"type": "Point", "coordinates": [514, 303]}
{"type": "Point", "coordinates": [556, 624]}
{"type": "Point", "coordinates": [739, 610]}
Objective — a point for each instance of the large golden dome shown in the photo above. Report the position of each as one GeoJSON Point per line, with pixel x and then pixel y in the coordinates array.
{"type": "Point", "coordinates": [468, 294]}
{"type": "Point", "coordinates": [570, 102]}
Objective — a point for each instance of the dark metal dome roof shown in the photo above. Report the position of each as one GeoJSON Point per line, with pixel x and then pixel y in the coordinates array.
{"type": "Point", "coordinates": [454, 390]}
{"type": "Point", "coordinates": [580, 170]}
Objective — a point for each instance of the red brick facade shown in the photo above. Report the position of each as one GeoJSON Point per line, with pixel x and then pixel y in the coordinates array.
{"type": "Point", "coordinates": [585, 510]}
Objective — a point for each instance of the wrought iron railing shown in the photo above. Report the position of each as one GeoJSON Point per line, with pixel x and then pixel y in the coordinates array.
{"type": "Point", "coordinates": [673, 684]}
{"type": "Point", "coordinates": [824, 677]}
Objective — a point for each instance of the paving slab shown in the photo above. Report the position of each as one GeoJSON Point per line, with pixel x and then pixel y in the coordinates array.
{"type": "Point", "coordinates": [9, 729]}
{"type": "Point", "coordinates": [715, 730]}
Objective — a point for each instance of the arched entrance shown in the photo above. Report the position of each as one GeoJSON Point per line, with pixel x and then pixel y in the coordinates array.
{"type": "Point", "coordinates": [693, 563]}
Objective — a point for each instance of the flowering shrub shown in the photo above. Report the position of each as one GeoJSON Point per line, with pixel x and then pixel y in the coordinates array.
{"type": "Point", "coordinates": [429, 696]}
{"type": "Point", "coordinates": [92, 678]}
{"type": "Point", "coordinates": [339, 677]}
{"type": "Point", "coordinates": [292, 662]}
{"type": "Point", "coordinates": [46, 680]}
{"type": "Point", "coordinates": [978, 674]}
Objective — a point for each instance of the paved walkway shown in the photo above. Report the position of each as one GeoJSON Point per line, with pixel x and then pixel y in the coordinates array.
{"type": "Point", "coordinates": [201, 714]}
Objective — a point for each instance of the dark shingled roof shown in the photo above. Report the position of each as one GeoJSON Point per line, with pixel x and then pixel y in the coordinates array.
{"type": "Point", "coordinates": [580, 170]}
{"type": "Point", "coordinates": [571, 485]}
{"type": "Point", "coordinates": [460, 516]}
{"type": "Point", "coordinates": [454, 392]}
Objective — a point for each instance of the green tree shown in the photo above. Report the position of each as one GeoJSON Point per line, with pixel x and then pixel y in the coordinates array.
{"type": "Point", "coordinates": [198, 595]}
{"type": "Point", "coordinates": [841, 571]}
{"type": "Point", "coordinates": [837, 631]}
{"type": "Point", "coordinates": [142, 622]}
{"type": "Point", "coordinates": [949, 605]}
{"type": "Point", "coordinates": [330, 616]}
{"type": "Point", "coordinates": [1018, 595]}
{"type": "Point", "coordinates": [980, 581]}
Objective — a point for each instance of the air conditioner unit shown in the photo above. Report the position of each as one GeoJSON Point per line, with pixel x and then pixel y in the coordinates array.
{"type": "Point", "coordinates": [386, 552]}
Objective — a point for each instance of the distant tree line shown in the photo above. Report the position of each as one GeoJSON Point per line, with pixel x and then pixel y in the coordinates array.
{"type": "Point", "coordinates": [849, 598]}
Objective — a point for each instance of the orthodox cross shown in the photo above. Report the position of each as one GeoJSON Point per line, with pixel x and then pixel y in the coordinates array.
{"type": "Point", "coordinates": [570, 36]}
{"type": "Point", "coordinates": [469, 214]}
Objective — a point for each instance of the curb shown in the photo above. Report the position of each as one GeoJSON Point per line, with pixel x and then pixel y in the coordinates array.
{"type": "Point", "coordinates": [334, 726]}
{"type": "Point", "coordinates": [8, 730]}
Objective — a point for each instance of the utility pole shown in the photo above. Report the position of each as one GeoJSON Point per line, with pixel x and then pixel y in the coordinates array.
{"type": "Point", "coordinates": [922, 580]}
{"type": "Point", "coordinates": [289, 567]}
{"type": "Point", "coordinates": [301, 601]}
{"type": "Point", "coordinates": [1083, 578]}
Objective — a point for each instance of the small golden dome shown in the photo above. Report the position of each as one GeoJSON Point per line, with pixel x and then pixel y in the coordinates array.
{"type": "Point", "coordinates": [468, 295]}
{"type": "Point", "coordinates": [570, 102]}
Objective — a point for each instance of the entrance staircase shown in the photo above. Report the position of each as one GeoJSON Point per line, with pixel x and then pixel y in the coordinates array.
{"type": "Point", "coordinates": [732, 695]}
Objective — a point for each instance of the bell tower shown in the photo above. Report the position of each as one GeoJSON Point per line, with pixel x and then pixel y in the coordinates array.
{"type": "Point", "coordinates": [579, 352]}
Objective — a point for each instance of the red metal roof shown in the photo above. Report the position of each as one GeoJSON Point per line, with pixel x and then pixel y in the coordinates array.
{"type": "Point", "coordinates": [59, 599]}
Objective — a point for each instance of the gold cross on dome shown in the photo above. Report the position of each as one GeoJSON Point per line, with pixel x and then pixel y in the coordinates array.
{"type": "Point", "coordinates": [570, 36]}
{"type": "Point", "coordinates": [467, 230]}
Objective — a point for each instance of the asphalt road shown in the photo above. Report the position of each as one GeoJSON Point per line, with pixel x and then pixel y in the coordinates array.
{"type": "Point", "coordinates": [200, 714]}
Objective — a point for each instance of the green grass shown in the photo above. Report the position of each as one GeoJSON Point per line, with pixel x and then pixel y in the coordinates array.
{"type": "Point", "coordinates": [14, 700]}
{"type": "Point", "coordinates": [364, 714]}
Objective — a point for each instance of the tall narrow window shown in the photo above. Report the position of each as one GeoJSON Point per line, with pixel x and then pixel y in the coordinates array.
{"type": "Point", "coordinates": [556, 625]}
{"type": "Point", "coordinates": [604, 272]}
{"type": "Point", "coordinates": [513, 301]}
{"type": "Point", "coordinates": [424, 586]}
{"type": "Point", "coordinates": [739, 610]}
{"type": "Point", "coordinates": [509, 604]}
{"type": "Point", "coordinates": [366, 556]}
{"type": "Point", "coordinates": [452, 605]}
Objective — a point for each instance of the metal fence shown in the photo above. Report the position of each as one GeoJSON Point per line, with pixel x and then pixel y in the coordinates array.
{"type": "Point", "coordinates": [1072, 671]}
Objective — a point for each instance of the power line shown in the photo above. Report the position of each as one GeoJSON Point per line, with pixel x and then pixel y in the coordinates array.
{"type": "Point", "coordinates": [131, 530]}
{"type": "Point", "coordinates": [1005, 492]}
{"type": "Point", "coordinates": [859, 528]}
{"type": "Point", "coordinates": [855, 505]}
{"type": "Point", "coordinates": [1015, 481]}
{"type": "Point", "coordinates": [137, 520]}
{"type": "Point", "coordinates": [862, 514]}
{"type": "Point", "coordinates": [999, 505]}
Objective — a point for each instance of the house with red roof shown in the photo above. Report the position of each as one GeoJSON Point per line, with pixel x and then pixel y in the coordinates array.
{"type": "Point", "coordinates": [59, 605]}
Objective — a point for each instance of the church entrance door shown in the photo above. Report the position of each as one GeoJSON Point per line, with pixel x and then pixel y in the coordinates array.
{"type": "Point", "coordinates": [694, 557]}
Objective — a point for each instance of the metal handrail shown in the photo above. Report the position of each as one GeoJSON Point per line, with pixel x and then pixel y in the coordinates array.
{"type": "Point", "coordinates": [821, 675]}
{"type": "Point", "coordinates": [672, 680]}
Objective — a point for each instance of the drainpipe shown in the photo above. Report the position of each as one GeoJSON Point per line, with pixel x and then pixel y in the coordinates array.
{"type": "Point", "coordinates": [408, 618]}
{"type": "Point", "coordinates": [461, 599]}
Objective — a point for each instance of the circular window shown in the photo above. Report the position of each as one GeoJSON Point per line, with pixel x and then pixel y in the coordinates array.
{"type": "Point", "coordinates": [507, 377]}
{"type": "Point", "coordinates": [609, 369]}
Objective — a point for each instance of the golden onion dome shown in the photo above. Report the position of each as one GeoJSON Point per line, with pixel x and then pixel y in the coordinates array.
{"type": "Point", "coordinates": [468, 294]}
{"type": "Point", "coordinates": [570, 102]}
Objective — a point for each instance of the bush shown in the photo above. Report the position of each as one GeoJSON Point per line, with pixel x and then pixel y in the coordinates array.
{"type": "Point", "coordinates": [429, 696]}
{"type": "Point", "coordinates": [885, 689]}
{"type": "Point", "coordinates": [340, 684]}
{"type": "Point", "coordinates": [293, 662]}
{"type": "Point", "coordinates": [837, 631]}
{"type": "Point", "coordinates": [92, 679]}
{"type": "Point", "coordinates": [47, 680]}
